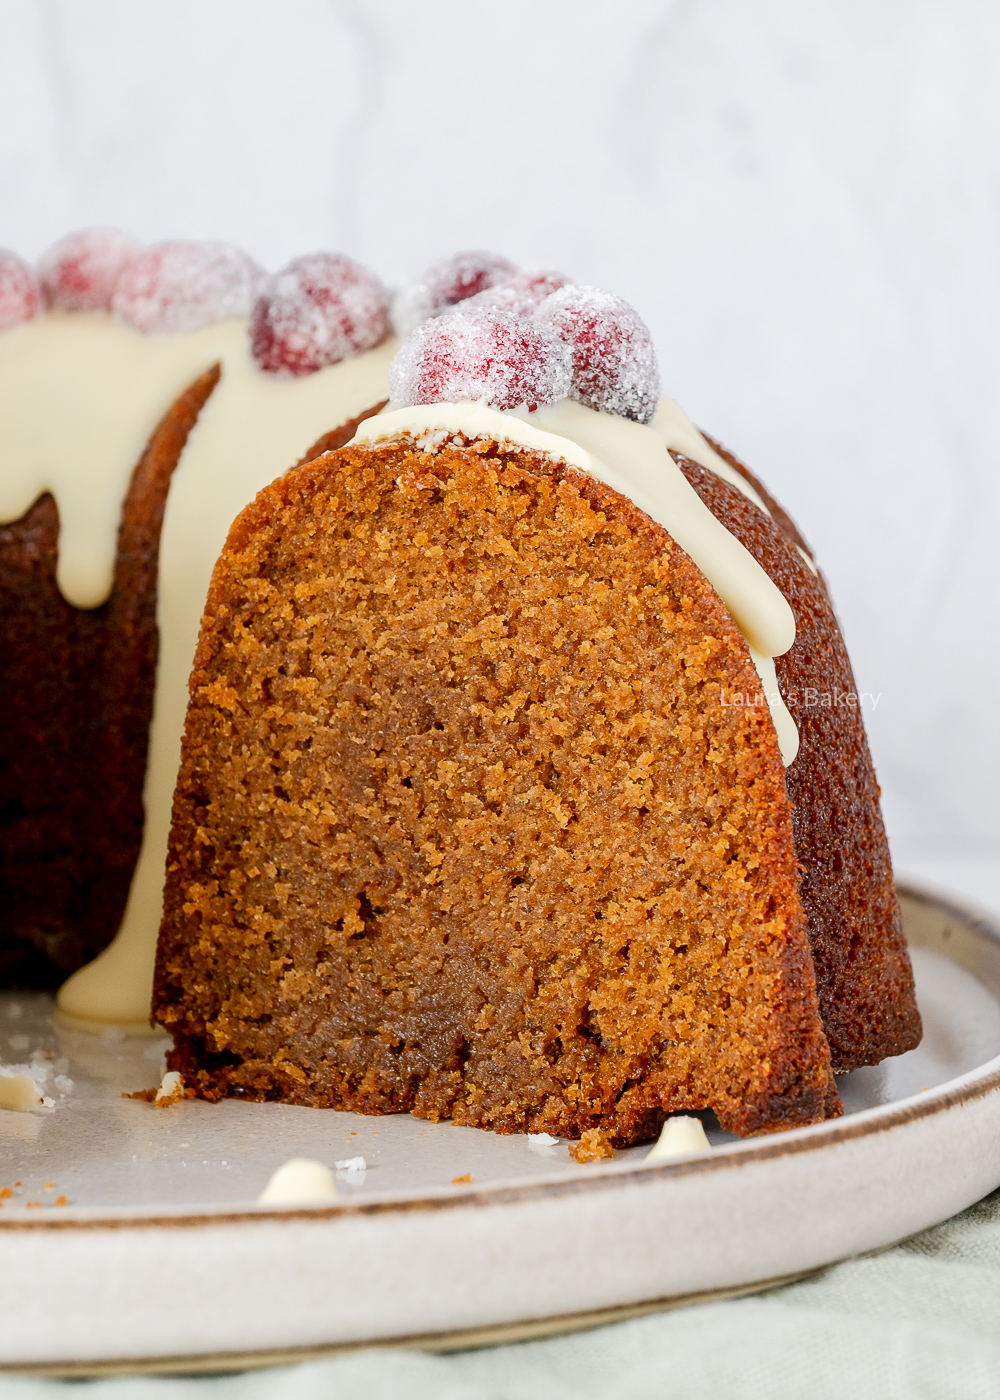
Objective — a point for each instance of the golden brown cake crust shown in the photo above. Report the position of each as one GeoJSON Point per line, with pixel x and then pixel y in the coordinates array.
{"type": "Point", "coordinates": [461, 827]}
{"type": "Point", "coordinates": [863, 971]}
{"type": "Point", "coordinates": [78, 698]}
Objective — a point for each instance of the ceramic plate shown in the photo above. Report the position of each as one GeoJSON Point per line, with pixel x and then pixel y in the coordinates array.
{"type": "Point", "coordinates": [449, 1236]}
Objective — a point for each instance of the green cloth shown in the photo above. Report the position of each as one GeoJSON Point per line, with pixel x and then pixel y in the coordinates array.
{"type": "Point", "coordinates": [918, 1322]}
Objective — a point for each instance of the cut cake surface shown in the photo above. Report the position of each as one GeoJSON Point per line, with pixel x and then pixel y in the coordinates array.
{"type": "Point", "coordinates": [462, 826]}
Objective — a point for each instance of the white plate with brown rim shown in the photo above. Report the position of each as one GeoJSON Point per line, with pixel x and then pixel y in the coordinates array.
{"type": "Point", "coordinates": [156, 1258]}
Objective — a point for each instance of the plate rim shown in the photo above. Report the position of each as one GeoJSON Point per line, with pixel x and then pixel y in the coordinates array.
{"type": "Point", "coordinates": [467, 1339]}
{"type": "Point", "coordinates": [974, 1084]}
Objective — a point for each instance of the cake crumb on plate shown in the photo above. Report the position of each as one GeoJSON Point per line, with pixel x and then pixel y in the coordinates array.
{"type": "Point", "coordinates": [593, 1145]}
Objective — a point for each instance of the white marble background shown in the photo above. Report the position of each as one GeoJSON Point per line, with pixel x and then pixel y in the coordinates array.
{"type": "Point", "coordinates": [801, 196]}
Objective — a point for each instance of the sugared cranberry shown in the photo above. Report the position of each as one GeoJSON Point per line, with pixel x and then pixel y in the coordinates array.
{"type": "Point", "coordinates": [184, 285]}
{"type": "Point", "coordinates": [79, 273]}
{"type": "Point", "coordinates": [320, 309]}
{"type": "Point", "coordinates": [447, 283]}
{"type": "Point", "coordinates": [20, 294]}
{"type": "Point", "coordinates": [614, 363]}
{"type": "Point", "coordinates": [523, 292]}
{"type": "Point", "coordinates": [488, 356]}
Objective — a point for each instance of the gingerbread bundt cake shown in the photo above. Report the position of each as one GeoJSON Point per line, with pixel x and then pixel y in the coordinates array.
{"type": "Point", "coordinates": [99, 622]}
{"type": "Point", "coordinates": [493, 803]}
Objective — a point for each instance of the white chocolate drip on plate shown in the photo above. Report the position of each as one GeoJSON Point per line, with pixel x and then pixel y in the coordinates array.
{"type": "Point", "coordinates": [300, 1181]}
{"type": "Point", "coordinates": [251, 430]}
{"type": "Point", "coordinates": [680, 1136]}
{"type": "Point", "coordinates": [20, 1094]}
{"type": "Point", "coordinates": [633, 460]}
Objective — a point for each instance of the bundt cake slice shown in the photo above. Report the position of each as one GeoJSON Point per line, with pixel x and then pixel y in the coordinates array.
{"type": "Point", "coordinates": [521, 780]}
{"type": "Point", "coordinates": [464, 825]}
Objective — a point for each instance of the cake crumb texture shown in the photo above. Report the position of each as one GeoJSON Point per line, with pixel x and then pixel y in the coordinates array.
{"type": "Point", "coordinates": [462, 827]}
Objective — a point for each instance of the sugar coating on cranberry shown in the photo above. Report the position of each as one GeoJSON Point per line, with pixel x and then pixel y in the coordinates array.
{"type": "Point", "coordinates": [81, 271]}
{"type": "Point", "coordinates": [320, 309]}
{"type": "Point", "coordinates": [20, 294]}
{"type": "Point", "coordinates": [184, 285]}
{"type": "Point", "coordinates": [446, 284]}
{"type": "Point", "coordinates": [524, 292]}
{"type": "Point", "coordinates": [614, 362]}
{"type": "Point", "coordinates": [486, 356]}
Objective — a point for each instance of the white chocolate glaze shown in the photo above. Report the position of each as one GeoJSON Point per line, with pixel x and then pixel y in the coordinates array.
{"type": "Point", "coordinates": [79, 398]}
{"type": "Point", "coordinates": [785, 727]}
{"type": "Point", "coordinates": [680, 435]}
{"type": "Point", "coordinates": [807, 559]}
{"type": "Point", "coordinates": [633, 460]}
{"type": "Point", "coordinates": [252, 429]}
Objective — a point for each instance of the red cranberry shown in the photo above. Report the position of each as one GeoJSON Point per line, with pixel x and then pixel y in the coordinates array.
{"type": "Point", "coordinates": [524, 292]}
{"type": "Point", "coordinates": [447, 283]}
{"type": "Point", "coordinates": [489, 356]}
{"type": "Point", "coordinates": [79, 273]}
{"type": "Point", "coordinates": [614, 363]}
{"type": "Point", "coordinates": [184, 285]}
{"type": "Point", "coordinates": [20, 294]}
{"type": "Point", "coordinates": [320, 309]}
